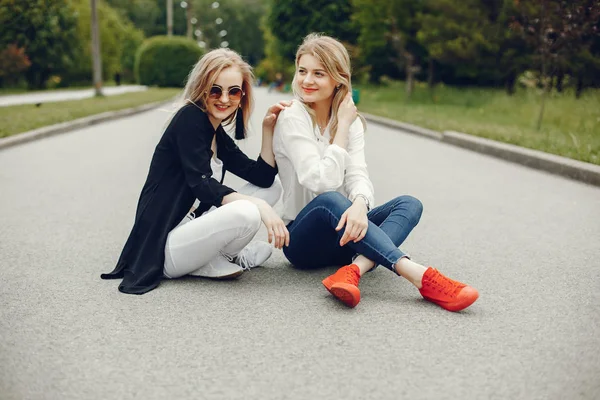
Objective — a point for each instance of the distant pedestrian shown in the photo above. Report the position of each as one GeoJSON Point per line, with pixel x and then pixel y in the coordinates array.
{"type": "Point", "coordinates": [277, 84]}
{"type": "Point", "coordinates": [328, 202]}
{"type": "Point", "coordinates": [189, 163]}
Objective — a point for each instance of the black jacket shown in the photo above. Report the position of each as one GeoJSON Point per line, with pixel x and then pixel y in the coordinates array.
{"type": "Point", "coordinates": [179, 173]}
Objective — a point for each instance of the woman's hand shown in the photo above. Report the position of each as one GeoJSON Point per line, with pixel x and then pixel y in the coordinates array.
{"type": "Point", "coordinates": [356, 221]}
{"type": "Point", "coordinates": [270, 119]}
{"type": "Point", "coordinates": [278, 233]}
{"type": "Point", "coordinates": [347, 111]}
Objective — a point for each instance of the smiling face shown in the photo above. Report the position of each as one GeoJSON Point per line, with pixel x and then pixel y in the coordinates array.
{"type": "Point", "coordinates": [220, 108]}
{"type": "Point", "coordinates": [314, 83]}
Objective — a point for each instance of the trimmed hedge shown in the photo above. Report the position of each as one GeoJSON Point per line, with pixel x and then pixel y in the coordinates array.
{"type": "Point", "coordinates": [166, 61]}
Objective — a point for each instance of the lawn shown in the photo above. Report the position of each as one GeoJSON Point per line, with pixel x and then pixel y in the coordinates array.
{"type": "Point", "coordinates": [570, 128]}
{"type": "Point", "coordinates": [22, 118]}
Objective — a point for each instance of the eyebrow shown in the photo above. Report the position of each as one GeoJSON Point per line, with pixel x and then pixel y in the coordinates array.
{"type": "Point", "coordinates": [219, 86]}
{"type": "Point", "coordinates": [316, 70]}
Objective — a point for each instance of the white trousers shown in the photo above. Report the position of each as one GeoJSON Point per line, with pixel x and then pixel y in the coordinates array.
{"type": "Point", "coordinates": [223, 230]}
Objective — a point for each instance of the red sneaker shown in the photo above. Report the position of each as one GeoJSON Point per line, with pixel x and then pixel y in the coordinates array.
{"type": "Point", "coordinates": [344, 284]}
{"type": "Point", "coordinates": [445, 292]}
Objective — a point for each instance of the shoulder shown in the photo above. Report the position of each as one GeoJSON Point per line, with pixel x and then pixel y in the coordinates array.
{"type": "Point", "coordinates": [189, 113]}
{"type": "Point", "coordinates": [295, 111]}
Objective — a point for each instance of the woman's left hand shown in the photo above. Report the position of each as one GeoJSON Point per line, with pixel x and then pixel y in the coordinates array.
{"type": "Point", "coordinates": [356, 221]}
{"type": "Point", "coordinates": [272, 114]}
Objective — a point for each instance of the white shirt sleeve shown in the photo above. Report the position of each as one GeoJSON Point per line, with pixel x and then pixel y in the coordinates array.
{"type": "Point", "coordinates": [317, 173]}
{"type": "Point", "coordinates": [357, 179]}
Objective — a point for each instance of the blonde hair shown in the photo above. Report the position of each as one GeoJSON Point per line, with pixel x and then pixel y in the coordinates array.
{"type": "Point", "coordinates": [335, 59]}
{"type": "Point", "coordinates": [204, 74]}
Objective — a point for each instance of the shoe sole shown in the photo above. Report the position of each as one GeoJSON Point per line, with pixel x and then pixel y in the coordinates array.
{"type": "Point", "coordinates": [456, 306]}
{"type": "Point", "coordinates": [347, 294]}
{"type": "Point", "coordinates": [221, 278]}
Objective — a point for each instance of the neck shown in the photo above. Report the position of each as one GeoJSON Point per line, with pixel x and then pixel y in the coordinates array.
{"type": "Point", "coordinates": [322, 111]}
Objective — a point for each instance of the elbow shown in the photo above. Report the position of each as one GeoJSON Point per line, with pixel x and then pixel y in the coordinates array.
{"type": "Point", "coordinates": [320, 186]}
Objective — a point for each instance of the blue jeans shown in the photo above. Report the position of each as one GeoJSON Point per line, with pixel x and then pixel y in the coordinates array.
{"type": "Point", "coordinates": [315, 243]}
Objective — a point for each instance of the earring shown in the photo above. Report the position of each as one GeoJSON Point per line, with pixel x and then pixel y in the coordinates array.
{"type": "Point", "coordinates": [239, 125]}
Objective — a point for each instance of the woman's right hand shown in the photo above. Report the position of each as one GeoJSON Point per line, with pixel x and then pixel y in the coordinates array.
{"type": "Point", "coordinates": [278, 233]}
{"type": "Point", "coordinates": [347, 111]}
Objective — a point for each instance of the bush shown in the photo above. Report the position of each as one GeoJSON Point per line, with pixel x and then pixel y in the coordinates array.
{"type": "Point", "coordinates": [166, 61]}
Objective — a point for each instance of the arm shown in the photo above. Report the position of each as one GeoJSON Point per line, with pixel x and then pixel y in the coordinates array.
{"type": "Point", "coordinates": [357, 184]}
{"type": "Point", "coordinates": [315, 172]}
{"type": "Point", "coordinates": [259, 172]}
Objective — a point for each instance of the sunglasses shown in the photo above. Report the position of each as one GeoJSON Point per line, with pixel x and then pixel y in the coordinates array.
{"type": "Point", "coordinates": [234, 93]}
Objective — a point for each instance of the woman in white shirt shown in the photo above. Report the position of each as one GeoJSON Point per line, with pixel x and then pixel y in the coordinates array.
{"type": "Point", "coordinates": [328, 196]}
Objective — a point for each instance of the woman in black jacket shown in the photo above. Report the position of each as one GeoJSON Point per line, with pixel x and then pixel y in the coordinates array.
{"type": "Point", "coordinates": [189, 163]}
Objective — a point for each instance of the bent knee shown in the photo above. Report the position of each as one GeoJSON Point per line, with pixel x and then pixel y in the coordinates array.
{"type": "Point", "coordinates": [333, 199]}
{"type": "Point", "coordinates": [246, 213]}
{"type": "Point", "coordinates": [414, 207]}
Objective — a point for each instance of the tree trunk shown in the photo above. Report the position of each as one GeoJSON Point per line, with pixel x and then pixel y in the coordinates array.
{"type": "Point", "coordinates": [559, 81]}
{"type": "Point", "coordinates": [511, 79]}
{"type": "Point", "coordinates": [169, 17]}
{"type": "Point", "coordinates": [430, 74]}
{"type": "Point", "coordinates": [579, 88]}
{"type": "Point", "coordinates": [188, 16]}
{"type": "Point", "coordinates": [410, 75]}
{"type": "Point", "coordinates": [96, 55]}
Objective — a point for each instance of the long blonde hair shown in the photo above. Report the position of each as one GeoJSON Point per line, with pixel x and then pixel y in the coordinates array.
{"type": "Point", "coordinates": [205, 73]}
{"type": "Point", "coordinates": [336, 61]}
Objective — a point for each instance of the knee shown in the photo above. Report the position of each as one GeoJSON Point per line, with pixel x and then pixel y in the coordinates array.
{"type": "Point", "coordinates": [413, 206]}
{"type": "Point", "coordinates": [246, 214]}
{"type": "Point", "coordinates": [333, 200]}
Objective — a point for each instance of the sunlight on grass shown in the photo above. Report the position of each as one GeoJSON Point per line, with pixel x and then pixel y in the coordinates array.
{"type": "Point", "coordinates": [570, 128]}
{"type": "Point", "coordinates": [22, 118]}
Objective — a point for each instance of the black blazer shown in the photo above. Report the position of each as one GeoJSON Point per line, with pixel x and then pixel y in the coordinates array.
{"type": "Point", "coordinates": [179, 173]}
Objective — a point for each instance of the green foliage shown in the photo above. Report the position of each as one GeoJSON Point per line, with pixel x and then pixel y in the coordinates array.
{"type": "Point", "coordinates": [119, 41]}
{"type": "Point", "coordinates": [240, 19]}
{"type": "Point", "coordinates": [13, 61]}
{"type": "Point", "coordinates": [571, 128]}
{"type": "Point", "coordinates": [46, 29]}
{"type": "Point", "coordinates": [291, 20]}
{"type": "Point", "coordinates": [166, 61]}
{"type": "Point", "coordinates": [455, 33]}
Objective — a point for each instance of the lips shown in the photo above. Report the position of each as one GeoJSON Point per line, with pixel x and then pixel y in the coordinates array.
{"type": "Point", "coordinates": [307, 90]}
{"type": "Point", "coordinates": [221, 108]}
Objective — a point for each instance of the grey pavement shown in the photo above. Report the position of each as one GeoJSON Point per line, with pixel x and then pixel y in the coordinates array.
{"type": "Point", "coordinates": [528, 240]}
{"type": "Point", "coordinates": [65, 95]}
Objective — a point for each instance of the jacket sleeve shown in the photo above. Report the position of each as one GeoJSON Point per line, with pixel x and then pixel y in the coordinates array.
{"type": "Point", "coordinates": [192, 141]}
{"type": "Point", "coordinates": [317, 173]}
{"type": "Point", "coordinates": [257, 172]}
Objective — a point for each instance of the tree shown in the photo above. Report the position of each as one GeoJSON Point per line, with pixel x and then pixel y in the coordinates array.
{"type": "Point", "coordinates": [119, 38]}
{"type": "Point", "coordinates": [456, 34]}
{"type": "Point", "coordinates": [291, 20]}
{"type": "Point", "coordinates": [46, 29]}
{"type": "Point", "coordinates": [556, 30]}
{"type": "Point", "coordinates": [13, 61]}
{"type": "Point", "coordinates": [390, 27]}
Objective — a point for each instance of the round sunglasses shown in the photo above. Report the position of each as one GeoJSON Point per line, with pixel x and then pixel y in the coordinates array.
{"type": "Point", "coordinates": [234, 93]}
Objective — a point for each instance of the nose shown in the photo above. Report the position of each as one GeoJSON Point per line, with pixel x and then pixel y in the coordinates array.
{"type": "Point", "coordinates": [226, 95]}
{"type": "Point", "coordinates": [308, 78]}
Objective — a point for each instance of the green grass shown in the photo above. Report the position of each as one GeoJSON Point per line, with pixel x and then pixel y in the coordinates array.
{"type": "Point", "coordinates": [22, 118]}
{"type": "Point", "coordinates": [570, 128]}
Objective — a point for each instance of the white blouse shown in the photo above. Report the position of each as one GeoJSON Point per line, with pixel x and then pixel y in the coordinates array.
{"type": "Point", "coordinates": [309, 165]}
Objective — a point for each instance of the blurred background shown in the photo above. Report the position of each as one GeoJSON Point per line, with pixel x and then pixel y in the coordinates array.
{"type": "Point", "coordinates": [525, 72]}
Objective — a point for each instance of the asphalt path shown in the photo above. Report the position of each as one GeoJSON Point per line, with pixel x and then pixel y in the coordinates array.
{"type": "Point", "coordinates": [528, 240]}
{"type": "Point", "coordinates": [65, 95]}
